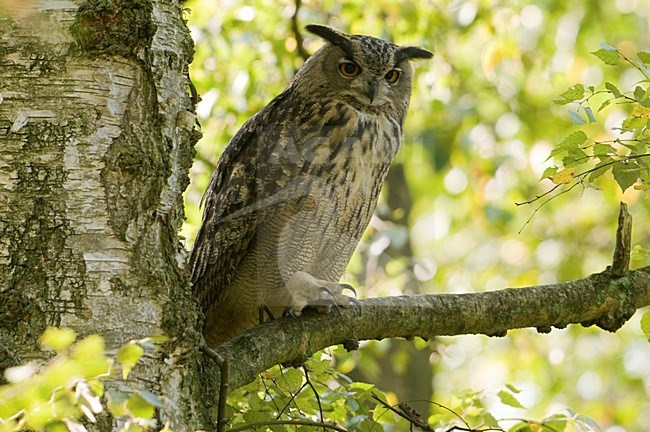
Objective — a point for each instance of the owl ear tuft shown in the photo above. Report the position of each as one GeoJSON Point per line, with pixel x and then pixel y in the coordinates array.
{"type": "Point", "coordinates": [333, 36]}
{"type": "Point", "coordinates": [411, 53]}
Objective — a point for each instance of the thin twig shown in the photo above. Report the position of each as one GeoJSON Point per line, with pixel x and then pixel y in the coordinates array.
{"type": "Point", "coordinates": [547, 200]}
{"type": "Point", "coordinates": [267, 390]}
{"type": "Point", "coordinates": [580, 179]}
{"type": "Point", "coordinates": [320, 407]}
{"type": "Point", "coordinates": [293, 395]}
{"type": "Point", "coordinates": [409, 415]}
{"type": "Point", "coordinates": [224, 367]}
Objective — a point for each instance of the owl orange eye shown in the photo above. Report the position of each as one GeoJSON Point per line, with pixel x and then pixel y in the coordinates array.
{"type": "Point", "coordinates": [349, 69]}
{"type": "Point", "coordinates": [392, 76]}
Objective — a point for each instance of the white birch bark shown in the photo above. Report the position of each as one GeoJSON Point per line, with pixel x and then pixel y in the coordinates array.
{"type": "Point", "coordinates": [96, 139]}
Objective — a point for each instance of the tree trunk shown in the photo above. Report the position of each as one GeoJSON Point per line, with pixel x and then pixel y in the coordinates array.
{"type": "Point", "coordinates": [96, 140]}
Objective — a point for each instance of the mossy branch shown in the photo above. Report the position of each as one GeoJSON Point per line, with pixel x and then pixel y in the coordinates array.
{"type": "Point", "coordinates": [601, 299]}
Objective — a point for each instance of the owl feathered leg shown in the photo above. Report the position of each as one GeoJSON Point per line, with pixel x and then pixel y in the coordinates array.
{"type": "Point", "coordinates": [305, 290]}
{"type": "Point", "coordinates": [265, 312]}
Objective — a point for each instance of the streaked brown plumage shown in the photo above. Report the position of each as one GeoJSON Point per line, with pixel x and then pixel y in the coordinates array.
{"type": "Point", "coordinates": [296, 186]}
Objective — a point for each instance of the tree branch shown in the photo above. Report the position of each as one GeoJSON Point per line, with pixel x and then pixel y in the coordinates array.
{"type": "Point", "coordinates": [601, 299]}
{"type": "Point", "coordinates": [621, 259]}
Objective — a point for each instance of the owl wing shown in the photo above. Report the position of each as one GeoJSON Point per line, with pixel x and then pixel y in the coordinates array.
{"type": "Point", "coordinates": [252, 182]}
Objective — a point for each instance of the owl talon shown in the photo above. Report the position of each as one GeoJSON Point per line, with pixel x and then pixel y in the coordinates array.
{"type": "Point", "coordinates": [345, 286]}
{"type": "Point", "coordinates": [289, 312]}
{"type": "Point", "coordinates": [328, 303]}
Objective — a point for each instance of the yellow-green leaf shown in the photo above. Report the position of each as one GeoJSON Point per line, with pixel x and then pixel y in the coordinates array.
{"type": "Point", "coordinates": [609, 57]}
{"type": "Point", "coordinates": [57, 339]}
{"type": "Point", "coordinates": [613, 89]}
{"type": "Point", "coordinates": [490, 421]}
{"type": "Point", "coordinates": [140, 407]}
{"type": "Point", "coordinates": [644, 57]}
{"type": "Point", "coordinates": [513, 389]}
{"type": "Point", "coordinates": [116, 402]}
{"type": "Point", "coordinates": [645, 325]}
{"type": "Point", "coordinates": [571, 94]}
{"type": "Point", "coordinates": [549, 172]}
{"type": "Point", "coordinates": [509, 399]}
{"type": "Point", "coordinates": [128, 355]}
{"type": "Point", "coordinates": [625, 174]}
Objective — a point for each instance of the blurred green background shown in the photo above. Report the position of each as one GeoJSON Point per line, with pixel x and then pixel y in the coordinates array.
{"type": "Point", "coordinates": [480, 128]}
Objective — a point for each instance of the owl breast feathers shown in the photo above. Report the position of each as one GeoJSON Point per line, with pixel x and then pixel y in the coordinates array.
{"type": "Point", "coordinates": [296, 186]}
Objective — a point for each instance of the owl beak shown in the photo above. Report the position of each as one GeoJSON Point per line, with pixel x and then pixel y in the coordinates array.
{"type": "Point", "coordinates": [372, 90]}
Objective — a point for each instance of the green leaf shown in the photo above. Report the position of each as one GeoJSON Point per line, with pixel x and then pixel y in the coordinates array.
{"type": "Point", "coordinates": [646, 100]}
{"type": "Point", "coordinates": [549, 172]}
{"type": "Point", "coordinates": [115, 402]}
{"type": "Point", "coordinates": [625, 174]}
{"type": "Point", "coordinates": [632, 123]}
{"type": "Point", "coordinates": [645, 325]}
{"type": "Point", "coordinates": [57, 339]}
{"type": "Point", "coordinates": [513, 389]}
{"type": "Point", "coordinates": [151, 398]}
{"type": "Point", "coordinates": [607, 56]}
{"type": "Point", "coordinates": [358, 385]}
{"type": "Point", "coordinates": [132, 428]}
{"type": "Point", "coordinates": [572, 94]}
{"type": "Point", "coordinates": [96, 387]}
{"type": "Point", "coordinates": [604, 105]}
{"type": "Point", "coordinates": [57, 426]}
{"type": "Point", "coordinates": [90, 358]}
{"type": "Point", "coordinates": [160, 339]}
{"type": "Point", "coordinates": [509, 399]}
{"type": "Point", "coordinates": [571, 143]}
{"type": "Point", "coordinates": [613, 89]}
{"type": "Point", "coordinates": [603, 149]}
{"type": "Point", "coordinates": [140, 407]}
{"type": "Point", "coordinates": [590, 115]}
{"type": "Point", "coordinates": [600, 169]}
{"type": "Point", "coordinates": [490, 421]}
{"type": "Point", "coordinates": [575, 157]}
{"type": "Point", "coordinates": [128, 355]}
{"type": "Point", "coordinates": [573, 140]}
{"type": "Point", "coordinates": [575, 118]}
{"type": "Point", "coordinates": [639, 93]}
{"type": "Point", "coordinates": [644, 56]}
{"type": "Point", "coordinates": [290, 380]}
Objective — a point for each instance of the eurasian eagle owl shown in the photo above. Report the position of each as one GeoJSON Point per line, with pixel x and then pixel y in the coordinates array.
{"type": "Point", "coordinates": [296, 186]}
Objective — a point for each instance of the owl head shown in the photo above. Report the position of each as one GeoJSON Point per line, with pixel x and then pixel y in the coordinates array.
{"type": "Point", "coordinates": [366, 71]}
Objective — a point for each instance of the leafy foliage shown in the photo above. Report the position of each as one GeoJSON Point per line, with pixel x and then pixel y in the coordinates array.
{"type": "Point", "coordinates": [582, 160]}
{"type": "Point", "coordinates": [286, 399]}
{"type": "Point", "coordinates": [67, 391]}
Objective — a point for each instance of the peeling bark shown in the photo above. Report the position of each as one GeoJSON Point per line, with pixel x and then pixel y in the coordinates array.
{"type": "Point", "coordinates": [97, 136]}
